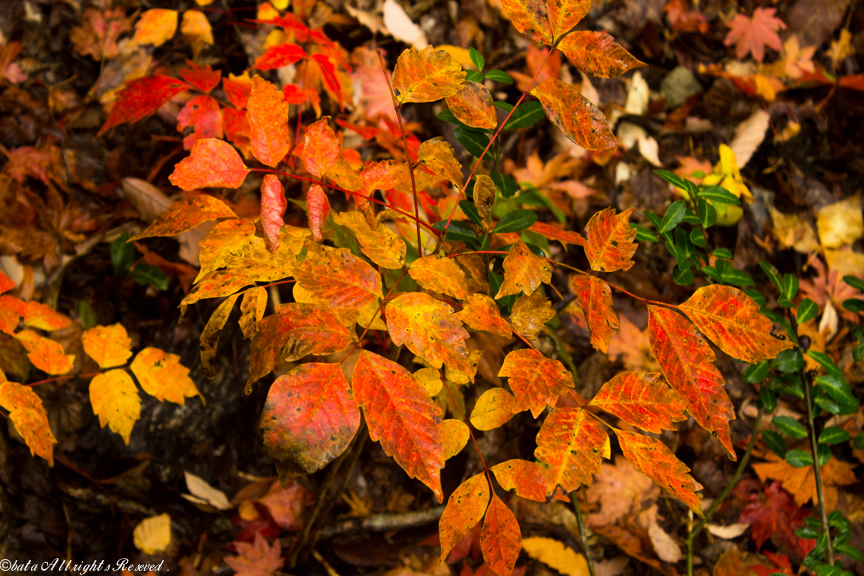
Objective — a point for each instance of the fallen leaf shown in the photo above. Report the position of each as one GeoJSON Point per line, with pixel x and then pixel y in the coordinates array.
{"type": "Point", "coordinates": [152, 535]}
{"type": "Point", "coordinates": [256, 559]}
{"type": "Point", "coordinates": [754, 34]}
{"type": "Point", "coordinates": [556, 555]}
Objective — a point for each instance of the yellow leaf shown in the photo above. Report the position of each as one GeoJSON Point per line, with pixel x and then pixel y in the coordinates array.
{"type": "Point", "coordinates": [381, 245]}
{"type": "Point", "coordinates": [210, 335]}
{"type": "Point", "coordinates": [196, 30]}
{"type": "Point", "coordinates": [437, 155]}
{"type": "Point", "coordinates": [115, 400]}
{"type": "Point", "coordinates": [440, 274]}
{"type": "Point", "coordinates": [840, 223]}
{"type": "Point", "coordinates": [524, 271]}
{"type": "Point", "coordinates": [792, 231]}
{"type": "Point", "coordinates": [430, 378]}
{"type": "Point", "coordinates": [427, 75]}
{"type": "Point", "coordinates": [530, 314]}
{"type": "Point", "coordinates": [555, 555]}
{"type": "Point", "coordinates": [45, 354]}
{"type": "Point", "coordinates": [161, 375]}
{"type": "Point", "coordinates": [109, 346]}
{"type": "Point", "coordinates": [155, 27]}
{"type": "Point", "coordinates": [456, 436]}
{"type": "Point", "coordinates": [461, 55]}
{"type": "Point", "coordinates": [252, 309]}
{"type": "Point", "coordinates": [493, 409]}
{"type": "Point", "coordinates": [845, 262]}
{"type": "Point", "coordinates": [30, 418]}
{"type": "Point", "coordinates": [152, 535]}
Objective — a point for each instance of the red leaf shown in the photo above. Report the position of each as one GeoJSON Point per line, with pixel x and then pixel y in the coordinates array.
{"type": "Point", "coordinates": [309, 419]}
{"type": "Point", "coordinates": [236, 128]}
{"type": "Point", "coordinates": [213, 163]}
{"type": "Point", "coordinates": [328, 72]}
{"type": "Point", "coordinates": [141, 98]}
{"type": "Point", "coordinates": [202, 77]}
{"type": "Point", "coordinates": [273, 205]}
{"type": "Point", "coordinates": [686, 362]}
{"type": "Point", "coordinates": [536, 381]}
{"type": "Point", "coordinates": [595, 298]}
{"type": "Point", "coordinates": [501, 539]}
{"type": "Point", "coordinates": [464, 510]}
{"type": "Point", "coordinates": [752, 35]}
{"type": "Point", "coordinates": [267, 113]}
{"type": "Point", "coordinates": [279, 56]}
{"type": "Point", "coordinates": [317, 209]}
{"type": "Point", "coordinates": [642, 400]}
{"type": "Point", "coordinates": [204, 115]}
{"type": "Point", "coordinates": [237, 89]}
{"type": "Point", "coordinates": [402, 417]}
{"type": "Point", "coordinates": [773, 512]}
{"type": "Point", "coordinates": [293, 94]}
{"type": "Point", "coordinates": [571, 445]}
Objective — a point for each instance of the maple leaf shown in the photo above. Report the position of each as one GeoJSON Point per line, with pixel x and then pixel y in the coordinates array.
{"type": "Point", "coordinates": [161, 375]}
{"type": "Point", "coordinates": [481, 313]}
{"type": "Point", "coordinates": [267, 114]}
{"type": "Point", "coordinates": [772, 512]}
{"type": "Point", "coordinates": [651, 457]}
{"type": "Point", "coordinates": [642, 400]}
{"type": "Point", "coordinates": [731, 320]}
{"type": "Point", "coordinates": [500, 538]}
{"type": "Point", "coordinates": [426, 76]}
{"type": "Point", "coordinates": [273, 205]}
{"type": "Point", "coordinates": [279, 56]}
{"type": "Point", "coordinates": [29, 417]}
{"type": "Point", "coordinates": [140, 98]}
{"type": "Point", "coordinates": [595, 298]}
{"type": "Point", "coordinates": [109, 346]}
{"type": "Point", "coordinates": [212, 163]}
{"type": "Point", "coordinates": [686, 361]}
{"type": "Point", "coordinates": [402, 417]}
{"type": "Point", "coordinates": [574, 115]}
{"type": "Point", "coordinates": [155, 27]}
{"type": "Point", "coordinates": [536, 381]}
{"type": "Point", "coordinates": [753, 34]}
{"type": "Point", "coordinates": [472, 105]}
{"type": "Point", "coordinates": [464, 509]}
{"type": "Point", "coordinates": [530, 314]}
{"type": "Point", "coordinates": [524, 271]}
{"type": "Point", "coordinates": [527, 479]}
{"type": "Point", "coordinates": [115, 400]}
{"type": "Point", "coordinates": [597, 54]}
{"type": "Point", "coordinates": [440, 274]}
{"type": "Point", "coordinates": [309, 419]}
{"type": "Point", "coordinates": [494, 408]}
{"type": "Point", "coordinates": [571, 445]}
{"type": "Point", "coordinates": [380, 244]}
{"type": "Point", "coordinates": [609, 246]}
{"type": "Point", "coordinates": [257, 559]}
{"type": "Point", "coordinates": [97, 36]}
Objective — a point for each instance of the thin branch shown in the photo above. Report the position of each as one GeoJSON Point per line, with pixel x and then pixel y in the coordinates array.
{"type": "Point", "coordinates": [583, 536]}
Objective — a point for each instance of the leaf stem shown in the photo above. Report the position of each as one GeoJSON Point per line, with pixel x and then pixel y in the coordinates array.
{"type": "Point", "coordinates": [724, 494]}
{"type": "Point", "coordinates": [582, 535]}
{"type": "Point", "coordinates": [397, 107]}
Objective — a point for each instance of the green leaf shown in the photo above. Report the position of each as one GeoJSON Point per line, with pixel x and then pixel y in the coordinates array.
{"type": "Point", "coordinates": [769, 400]}
{"type": "Point", "coordinates": [643, 234]}
{"type": "Point", "coordinates": [470, 210]}
{"type": "Point", "coordinates": [697, 238]}
{"type": "Point", "coordinates": [691, 218]}
{"type": "Point", "coordinates": [855, 305]}
{"type": "Point", "coordinates": [505, 304]}
{"type": "Point", "coordinates": [505, 106]}
{"type": "Point", "coordinates": [474, 142]}
{"type": "Point", "coordinates": [854, 282]}
{"type": "Point", "coordinates": [473, 76]}
{"type": "Point", "coordinates": [775, 442]}
{"type": "Point", "coordinates": [790, 286]}
{"type": "Point", "coordinates": [652, 218]}
{"type": "Point", "coordinates": [807, 310]}
{"type": "Point", "coordinates": [458, 231]}
{"type": "Point", "coordinates": [682, 277]}
{"type": "Point", "coordinates": [707, 213]}
{"type": "Point", "coordinates": [773, 274]}
{"type": "Point", "coordinates": [534, 197]}
{"type": "Point", "coordinates": [671, 178]}
{"type": "Point", "coordinates": [790, 427]}
{"type": "Point", "coordinates": [722, 253]}
{"type": "Point", "coordinates": [788, 361]}
{"type": "Point", "coordinates": [823, 454]}
{"type": "Point", "coordinates": [147, 275]}
{"type": "Point", "coordinates": [807, 533]}
{"type": "Point", "coordinates": [515, 221]}
{"type": "Point", "coordinates": [838, 521]}
{"type": "Point", "coordinates": [825, 361]}
{"type": "Point", "coordinates": [477, 59]}
{"type": "Point", "coordinates": [833, 435]}
{"type": "Point", "coordinates": [755, 373]}
{"type": "Point", "coordinates": [849, 551]}
{"type": "Point", "coordinates": [799, 458]}
{"type": "Point", "coordinates": [86, 315]}
{"type": "Point", "coordinates": [838, 389]}
{"type": "Point", "coordinates": [755, 295]}
{"type": "Point", "coordinates": [858, 443]}
{"type": "Point", "coordinates": [724, 272]}
{"type": "Point", "coordinates": [527, 114]}
{"type": "Point", "coordinates": [122, 254]}
{"type": "Point", "coordinates": [505, 184]}
{"type": "Point", "coordinates": [719, 195]}
{"type": "Point", "coordinates": [828, 404]}
{"type": "Point", "coordinates": [673, 216]}
{"type": "Point", "coordinates": [813, 522]}
{"type": "Point", "coordinates": [499, 76]}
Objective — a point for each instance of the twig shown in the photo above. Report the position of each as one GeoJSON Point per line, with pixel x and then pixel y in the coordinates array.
{"type": "Point", "coordinates": [582, 535]}
{"type": "Point", "coordinates": [383, 522]}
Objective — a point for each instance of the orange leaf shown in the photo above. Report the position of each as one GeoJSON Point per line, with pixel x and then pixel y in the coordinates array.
{"type": "Point", "coordinates": [115, 400]}
{"type": "Point", "coordinates": [464, 510]}
{"type": "Point", "coordinates": [440, 274]}
{"type": "Point", "coordinates": [565, 14]}
{"type": "Point", "coordinates": [686, 362]}
{"type": "Point", "coordinates": [571, 445]}
{"type": "Point", "coordinates": [500, 539]}
{"type": "Point", "coordinates": [595, 53]}
{"type": "Point", "coordinates": [437, 155]}
{"type": "Point", "coordinates": [273, 205]}
{"type": "Point", "coordinates": [162, 376]}
{"type": "Point", "coordinates": [383, 175]}
{"type": "Point", "coordinates": [428, 328]}
{"type": "Point", "coordinates": [595, 298]}
{"type": "Point", "coordinates": [334, 277]}
{"type": "Point", "coordinates": [752, 35]}
{"type": "Point", "coordinates": [256, 559]}
{"type": "Point", "coordinates": [213, 163]}
{"type": "Point", "coordinates": [530, 314]}
{"type": "Point", "coordinates": [456, 434]}
{"type": "Point", "coordinates": [187, 214]}
{"type": "Point", "coordinates": [309, 419]}
{"type": "Point", "coordinates": [481, 313]}
{"type": "Point", "coordinates": [731, 320]}
{"type": "Point", "coordinates": [279, 56]}
{"type": "Point", "coordinates": [294, 332]}
{"type": "Point", "coordinates": [35, 314]}
{"type": "Point", "coordinates": [317, 207]}
{"type": "Point", "coordinates": [426, 76]}
{"type": "Point", "coordinates": [574, 115]}
{"type": "Point", "coordinates": [217, 285]}
{"type": "Point", "coordinates": [8, 320]}
{"type": "Point", "coordinates": [155, 27]}
{"type": "Point", "coordinates": [493, 409]}
{"type": "Point", "coordinates": [402, 417]}
{"type": "Point", "coordinates": [234, 244]}
{"type": "Point", "coordinates": [473, 106]}
{"type": "Point", "coordinates": [237, 89]}
{"type": "Point", "coordinates": [204, 115]}
{"type": "Point", "coordinates": [140, 98]}
{"type": "Point", "coordinates": [47, 355]}
{"type": "Point", "coordinates": [642, 400]}
{"type": "Point", "coordinates": [524, 271]}
{"type": "Point", "coordinates": [344, 176]}
{"type": "Point", "coordinates": [30, 419]}
{"type": "Point", "coordinates": [6, 283]}
{"type": "Point", "coordinates": [610, 241]}
{"type": "Point", "coordinates": [536, 381]}
{"type": "Point", "coordinates": [252, 309]}
{"type": "Point", "coordinates": [210, 334]}
{"type": "Point", "coordinates": [531, 18]}
{"type": "Point", "coordinates": [527, 479]}
{"type": "Point", "coordinates": [109, 346]}
{"type": "Point", "coordinates": [321, 148]}
{"type": "Point", "coordinates": [651, 457]}
{"type": "Point", "coordinates": [381, 244]}
{"type": "Point", "coordinates": [801, 482]}
{"type": "Point", "coordinates": [267, 113]}
{"type": "Point", "coordinates": [553, 233]}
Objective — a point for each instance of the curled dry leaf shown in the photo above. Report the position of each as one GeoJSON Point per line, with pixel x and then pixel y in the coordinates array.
{"type": "Point", "coordinates": [317, 209]}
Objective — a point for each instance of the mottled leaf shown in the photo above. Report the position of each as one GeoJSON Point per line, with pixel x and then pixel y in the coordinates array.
{"type": "Point", "coordinates": [574, 115]}
{"type": "Point", "coordinates": [45, 354]}
{"type": "Point", "coordinates": [187, 214]}
{"type": "Point", "coordinates": [531, 18]}
{"type": "Point", "coordinates": [309, 419]}
{"type": "Point", "coordinates": [426, 76]}
{"type": "Point", "coordinates": [210, 334]}
{"type": "Point", "coordinates": [472, 105]}
{"type": "Point", "coordinates": [233, 244]}
{"type": "Point", "coordinates": [321, 147]}
{"type": "Point", "coordinates": [162, 376]}
{"type": "Point", "coordinates": [30, 419]}
{"type": "Point", "coordinates": [6, 283]}
{"type": "Point", "coordinates": [140, 98]}
{"type": "Point", "coordinates": [595, 53]}
{"type": "Point", "coordinates": [217, 285]}
{"type": "Point", "coordinates": [202, 77]}
{"type": "Point", "coordinates": [494, 408]}
{"type": "Point", "coordinates": [536, 381]}
{"type": "Point", "coordinates": [402, 417]}
{"type": "Point", "coordinates": [273, 205]}
{"type": "Point", "coordinates": [252, 309]}
{"type": "Point", "coordinates": [524, 271]}
{"type": "Point", "coordinates": [267, 114]}
{"type": "Point", "coordinates": [212, 164]}
{"type": "Point", "coordinates": [565, 14]}
{"type": "Point", "coordinates": [317, 209]}
{"type": "Point", "coordinates": [481, 313]}
{"type": "Point", "coordinates": [500, 538]}
{"type": "Point", "coordinates": [610, 245]}
{"type": "Point", "coordinates": [437, 155]}
{"type": "Point", "coordinates": [464, 509]}
{"type": "Point", "coordinates": [440, 274]}
{"type": "Point", "coordinates": [642, 400]}
{"type": "Point", "coordinates": [109, 346]}
{"type": "Point", "coordinates": [35, 314]}
{"type": "Point", "coordinates": [571, 445]}
{"type": "Point", "coordinates": [530, 314]}
{"type": "Point", "coordinates": [383, 246]}
{"type": "Point", "coordinates": [595, 299]}
{"type": "Point", "coordinates": [337, 278]}
{"type": "Point", "coordinates": [527, 479]}
{"type": "Point", "coordinates": [115, 400]}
